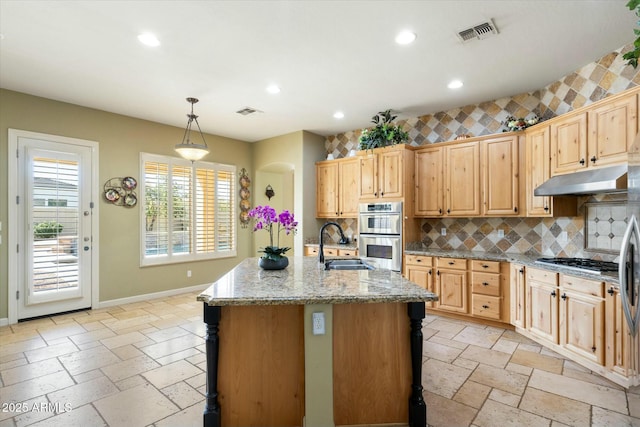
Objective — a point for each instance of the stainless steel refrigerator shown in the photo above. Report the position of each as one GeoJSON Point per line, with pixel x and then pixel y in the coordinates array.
{"type": "Point", "coordinates": [629, 269]}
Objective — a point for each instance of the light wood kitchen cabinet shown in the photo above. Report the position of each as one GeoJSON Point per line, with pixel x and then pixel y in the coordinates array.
{"type": "Point", "coordinates": [518, 293]}
{"type": "Point", "coordinates": [313, 250]}
{"type": "Point", "coordinates": [596, 136]}
{"type": "Point", "coordinates": [617, 335]}
{"type": "Point", "coordinates": [462, 179]}
{"type": "Point", "coordinates": [419, 270]}
{"type": "Point", "coordinates": [385, 172]}
{"type": "Point", "coordinates": [500, 176]}
{"type": "Point", "coordinates": [569, 143]}
{"type": "Point", "coordinates": [429, 198]}
{"type": "Point", "coordinates": [336, 181]}
{"type": "Point", "coordinates": [451, 285]}
{"type": "Point", "coordinates": [538, 170]}
{"type": "Point", "coordinates": [582, 309]}
{"type": "Point", "coordinates": [542, 304]}
{"type": "Point", "coordinates": [486, 293]}
{"type": "Point", "coordinates": [612, 127]}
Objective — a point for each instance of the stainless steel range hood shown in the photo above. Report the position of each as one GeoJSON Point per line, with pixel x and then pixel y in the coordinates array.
{"type": "Point", "coordinates": [602, 180]}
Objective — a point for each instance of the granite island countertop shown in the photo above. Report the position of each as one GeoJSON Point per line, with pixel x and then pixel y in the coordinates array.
{"type": "Point", "coordinates": [305, 281]}
{"type": "Point", "coordinates": [527, 260]}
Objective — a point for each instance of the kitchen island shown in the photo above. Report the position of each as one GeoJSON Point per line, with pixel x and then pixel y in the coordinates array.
{"type": "Point", "coordinates": [266, 367]}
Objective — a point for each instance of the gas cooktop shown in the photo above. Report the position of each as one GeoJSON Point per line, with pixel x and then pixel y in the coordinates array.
{"type": "Point", "coordinates": [581, 264]}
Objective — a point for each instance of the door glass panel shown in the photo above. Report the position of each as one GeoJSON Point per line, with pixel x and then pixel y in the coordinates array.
{"type": "Point", "coordinates": [55, 225]}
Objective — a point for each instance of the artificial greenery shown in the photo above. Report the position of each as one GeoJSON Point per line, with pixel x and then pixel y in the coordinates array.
{"type": "Point", "coordinates": [383, 133]}
{"type": "Point", "coordinates": [47, 229]}
{"type": "Point", "coordinates": [633, 55]}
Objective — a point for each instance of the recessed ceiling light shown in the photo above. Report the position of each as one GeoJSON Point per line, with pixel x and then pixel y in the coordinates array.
{"type": "Point", "coordinates": [273, 89]}
{"type": "Point", "coordinates": [405, 37]}
{"type": "Point", "coordinates": [338, 115]}
{"type": "Point", "coordinates": [149, 39]}
{"type": "Point", "coordinates": [454, 84]}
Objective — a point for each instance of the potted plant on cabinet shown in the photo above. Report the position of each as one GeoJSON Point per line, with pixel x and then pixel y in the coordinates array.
{"type": "Point", "coordinates": [383, 133]}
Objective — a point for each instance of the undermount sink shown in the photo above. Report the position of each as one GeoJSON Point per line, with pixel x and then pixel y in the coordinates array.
{"type": "Point", "coordinates": [347, 264]}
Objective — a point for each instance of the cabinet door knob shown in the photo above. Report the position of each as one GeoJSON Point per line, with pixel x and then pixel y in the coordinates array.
{"type": "Point", "coordinates": [564, 296]}
{"type": "Point", "coordinates": [553, 294]}
{"type": "Point", "coordinates": [593, 348]}
{"type": "Point", "coordinates": [438, 273]}
{"type": "Point", "coordinates": [429, 272]}
{"type": "Point", "coordinates": [381, 193]}
{"type": "Point", "coordinates": [515, 209]}
{"type": "Point", "coordinates": [440, 211]}
{"type": "Point", "coordinates": [521, 271]}
{"type": "Point", "coordinates": [448, 210]}
{"type": "Point", "coordinates": [593, 160]}
{"type": "Point", "coordinates": [582, 162]}
{"type": "Point", "coordinates": [611, 291]}
{"type": "Point", "coordinates": [546, 208]}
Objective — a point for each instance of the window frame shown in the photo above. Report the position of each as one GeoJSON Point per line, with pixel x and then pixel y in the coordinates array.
{"type": "Point", "coordinates": [193, 255]}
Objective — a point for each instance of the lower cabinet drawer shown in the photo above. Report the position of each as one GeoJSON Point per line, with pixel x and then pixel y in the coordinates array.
{"type": "Point", "coordinates": [485, 306]}
{"type": "Point", "coordinates": [311, 250]}
{"type": "Point", "coordinates": [485, 283]}
{"type": "Point", "coordinates": [347, 252]}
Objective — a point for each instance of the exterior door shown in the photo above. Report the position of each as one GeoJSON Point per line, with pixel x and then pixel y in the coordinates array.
{"type": "Point", "coordinates": [53, 207]}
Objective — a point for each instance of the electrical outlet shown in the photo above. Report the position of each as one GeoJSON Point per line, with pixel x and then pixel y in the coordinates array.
{"type": "Point", "coordinates": [188, 273]}
{"type": "Point", "coordinates": [443, 231]}
{"type": "Point", "coordinates": [500, 233]}
{"type": "Point", "coordinates": [318, 323]}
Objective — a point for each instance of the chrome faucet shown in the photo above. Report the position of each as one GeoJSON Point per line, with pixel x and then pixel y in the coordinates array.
{"type": "Point", "coordinates": [343, 239]}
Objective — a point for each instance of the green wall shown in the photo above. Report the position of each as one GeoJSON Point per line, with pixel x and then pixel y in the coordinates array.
{"type": "Point", "coordinates": [121, 139]}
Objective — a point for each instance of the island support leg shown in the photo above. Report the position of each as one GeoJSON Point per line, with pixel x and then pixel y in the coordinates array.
{"type": "Point", "coordinates": [417, 406]}
{"type": "Point", "coordinates": [212, 344]}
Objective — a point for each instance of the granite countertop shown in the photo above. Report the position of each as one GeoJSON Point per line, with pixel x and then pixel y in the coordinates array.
{"type": "Point", "coordinates": [528, 260]}
{"type": "Point", "coordinates": [305, 281]}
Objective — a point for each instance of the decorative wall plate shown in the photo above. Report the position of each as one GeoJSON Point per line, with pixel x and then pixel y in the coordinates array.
{"type": "Point", "coordinates": [112, 195]}
{"type": "Point", "coordinates": [130, 200]}
{"type": "Point", "coordinates": [245, 193]}
{"type": "Point", "coordinates": [245, 205]}
{"type": "Point", "coordinates": [129, 183]}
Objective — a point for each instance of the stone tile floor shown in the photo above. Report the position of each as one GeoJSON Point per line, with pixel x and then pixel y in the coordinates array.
{"type": "Point", "coordinates": [143, 364]}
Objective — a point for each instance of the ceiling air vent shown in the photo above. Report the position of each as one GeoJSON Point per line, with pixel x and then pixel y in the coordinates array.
{"type": "Point", "coordinates": [248, 110]}
{"type": "Point", "coordinates": [478, 32]}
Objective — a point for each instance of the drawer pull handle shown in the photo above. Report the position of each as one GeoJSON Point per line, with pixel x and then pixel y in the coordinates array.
{"type": "Point", "coordinates": [485, 307]}
{"type": "Point", "coordinates": [485, 284]}
{"type": "Point", "coordinates": [485, 266]}
{"type": "Point", "coordinates": [546, 208]}
{"type": "Point", "coordinates": [418, 260]}
{"type": "Point", "coordinates": [451, 263]}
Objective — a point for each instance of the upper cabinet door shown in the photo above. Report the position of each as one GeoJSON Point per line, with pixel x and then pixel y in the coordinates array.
{"type": "Point", "coordinates": [612, 128]}
{"type": "Point", "coordinates": [327, 190]}
{"type": "Point", "coordinates": [569, 144]}
{"type": "Point", "coordinates": [391, 175]}
{"type": "Point", "coordinates": [500, 176]}
{"type": "Point", "coordinates": [538, 165]}
{"type": "Point", "coordinates": [428, 191]}
{"type": "Point", "coordinates": [462, 179]}
{"type": "Point", "coordinates": [349, 182]}
{"type": "Point", "coordinates": [368, 176]}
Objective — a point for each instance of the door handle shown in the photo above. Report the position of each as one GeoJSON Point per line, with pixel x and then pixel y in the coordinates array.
{"type": "Point", "coordinates": [86, 248]}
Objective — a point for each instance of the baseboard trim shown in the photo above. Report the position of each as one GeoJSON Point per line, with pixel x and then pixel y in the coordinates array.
{"type": "Point", "coordinates": [4, 321]}
{"type": "Point", "coordinates": [146, 297]}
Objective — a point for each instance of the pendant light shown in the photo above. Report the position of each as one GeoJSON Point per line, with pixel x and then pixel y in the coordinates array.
{"type": "Point", "coordinates": [188, 149]}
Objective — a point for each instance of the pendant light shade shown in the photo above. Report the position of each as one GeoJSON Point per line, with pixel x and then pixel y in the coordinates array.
{"type": "Point", "coordinates": [187, 149]}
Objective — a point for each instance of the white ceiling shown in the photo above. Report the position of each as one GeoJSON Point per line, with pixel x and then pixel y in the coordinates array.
{"type": "Point", "coordinates": [325, 56]}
